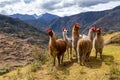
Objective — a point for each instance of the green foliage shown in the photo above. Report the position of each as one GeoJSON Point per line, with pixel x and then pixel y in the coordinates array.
{"type": "Point", "coordinates": [40, 57]}
{"type": "Point", "coordinates": [40, 54]}
{"type": "Point", "coordinates": [35, 66]}
{"type": "Point", "coordinates": [30, 76]}
{"type": "Point", "coordinates": [20, 76]}
{"type": "Point", "coordinates": [5, 70]}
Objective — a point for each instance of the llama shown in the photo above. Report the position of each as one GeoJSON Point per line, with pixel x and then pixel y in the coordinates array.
{"type": "Point", "coordinates": [75, 36]}
{"type": "Point", "coordinates": [84, 47]}
{"type": "Point", "coordinates": [68, 41]}
{"type": "Point", "coordinates": [57, 47]}
{"type": "Point", "coordinates": [98, 42]}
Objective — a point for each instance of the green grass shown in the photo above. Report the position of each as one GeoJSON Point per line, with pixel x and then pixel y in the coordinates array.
{"type": "Point", "coordinates": [95, 69]}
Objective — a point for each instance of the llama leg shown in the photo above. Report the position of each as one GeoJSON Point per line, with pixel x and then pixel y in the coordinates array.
{"type": "Point", "coordinates": [76, 53]}
{"type": "Point", "coordinates": [83, 59]}
{"type": "Point", "coordinates": [58, 57]}
{"type": "Point", "coordinates": [71, 53]}
{"type": "Point", "coordinates": [88, 56]}
{"type": "Point", "coordinates": [74, 44]}
{"type": "Point", "coordinates": [54, 61]}
{"type": "Point", "coordinates": [96, 53]}
{"type": "Point", "coordinates": [68, 52]}
{"type": "Point", "coordinates": [101, 53]}
{"type": "Point", "coordinates": [62, 58]}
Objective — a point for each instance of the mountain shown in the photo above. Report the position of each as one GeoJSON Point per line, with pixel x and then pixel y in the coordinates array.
{"type": "Point", "coordinates": [23, 16]}
{"type": "Point", "coordinates": [21, 29]}
{"type": "Point", "coordinates": [48, 17]}
{"type": "Point", "coordinates": [108, 19]}
{"type": "Point", "coordinates": [111, 21]}
{"type": "Point", "coordinates": [36, 16]}
{"type": "Point", "coordinates": [40, 21]}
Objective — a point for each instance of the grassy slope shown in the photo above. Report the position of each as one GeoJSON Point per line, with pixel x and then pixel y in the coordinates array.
{"type": "Point", "coordinates": [96, 69]}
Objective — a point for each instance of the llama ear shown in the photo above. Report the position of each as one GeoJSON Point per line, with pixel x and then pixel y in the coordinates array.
{"type": "Point", "coordinates": [77, 24]}
{"type": "Point", "coordinates": [100, 28]}
{"type": "Point", "coordinates": [66, 28]}
{"type": "Point", "coordinates": [48, 29]}
{"type": "Point", "coordinates": [94, 28]}
{"type": "Point", "coordinates": [63, 28]}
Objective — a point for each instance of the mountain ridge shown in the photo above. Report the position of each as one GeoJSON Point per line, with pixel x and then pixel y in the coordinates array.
{"type": "Point", "coordinates": [86, 20]}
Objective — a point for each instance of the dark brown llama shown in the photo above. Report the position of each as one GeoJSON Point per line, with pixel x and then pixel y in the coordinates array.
{"type": "Point", "coordinates": [57, 47]}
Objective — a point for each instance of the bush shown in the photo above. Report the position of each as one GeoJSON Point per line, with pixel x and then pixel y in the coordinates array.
{"type": "Point", "coordinates": [40, 54]}
{"type": "Point", "coordinates": [35, 66]}
{"type": "Point", "coordinates": [40, 57]}
{"type": "Point", "coordinates": [5, 70]}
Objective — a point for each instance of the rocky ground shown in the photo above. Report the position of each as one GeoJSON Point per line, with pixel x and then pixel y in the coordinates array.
{"type": "Point", "coordinates": [14, 52]}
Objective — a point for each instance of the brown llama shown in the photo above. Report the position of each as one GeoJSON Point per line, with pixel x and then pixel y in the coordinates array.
{"type": "Point", "coordinates": [84, 47]}
{"type": "Point", "coordinates": [57, 47]}
{"type": "Point", "coordinates": [68, 41]}
{"type": "Point", "coordinates": [75, 36]}
{"type": "Point", "coordinates": [98, 42]}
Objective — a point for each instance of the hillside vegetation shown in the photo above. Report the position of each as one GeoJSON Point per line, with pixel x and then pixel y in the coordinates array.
{"type": "Point", "coordinates": [17, 42]}
{"type": "Point", "coordinates": [95, 69]}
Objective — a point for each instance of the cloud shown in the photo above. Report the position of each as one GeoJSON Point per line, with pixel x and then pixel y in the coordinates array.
{"type": "Point", "coordinates": [58, 7]}
{"type": "Point", "coordinates": [28, 1]}
{"type": "Point", "coordinates": [8, 2]}
{"type": "Point", "coordinates": [58, 4]}
{"type": "Point", "coordinates": [88, 3]}
{"type": "Point", "coordinates": [49, 5]}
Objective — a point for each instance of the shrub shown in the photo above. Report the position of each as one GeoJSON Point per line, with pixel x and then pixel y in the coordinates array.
{"type": "Point", "coordinates": [5, 69]}
{"type": "Point", "coordinates": [35, 66]}
{"type": "Point", "coordinates": [40, 54]}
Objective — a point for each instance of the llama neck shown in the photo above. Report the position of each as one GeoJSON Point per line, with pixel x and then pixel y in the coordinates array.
{"type": "Point", "coordinates": [98, 35]}
{"type": "Point", "coordinates": [65, 37]}
{"type": "Point", "coordinates": [75, 33]}
{"type": "Point", "coordinates": [91, 35]}
{"type": "Point", "coordinates": [53, 40]}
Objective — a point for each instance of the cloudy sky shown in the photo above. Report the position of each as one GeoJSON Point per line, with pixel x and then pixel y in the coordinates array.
{"type": "Point", "coordinates": [57, 7]}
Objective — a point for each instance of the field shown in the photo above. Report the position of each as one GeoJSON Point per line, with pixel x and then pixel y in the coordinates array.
{"type": "Point", "coordinates": [96, 69]}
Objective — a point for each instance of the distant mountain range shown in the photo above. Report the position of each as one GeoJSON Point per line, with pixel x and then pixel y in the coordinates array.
{"type": "Point", "coordinates": [26, 17]}
{"type": "Point", "coordinates": [22, 30]}
{"type": "Point", "coordinates": [108, 19]}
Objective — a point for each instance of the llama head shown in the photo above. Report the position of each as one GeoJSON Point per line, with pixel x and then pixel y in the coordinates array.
{"type": "Point", "coordinates": [99, 30]}
{"type": "Point", "coordinates": [76, 26]}
{"type": "Point", "coordinates": [49, 31]}
{"type": "Point", "coordinates": [65, 30]}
